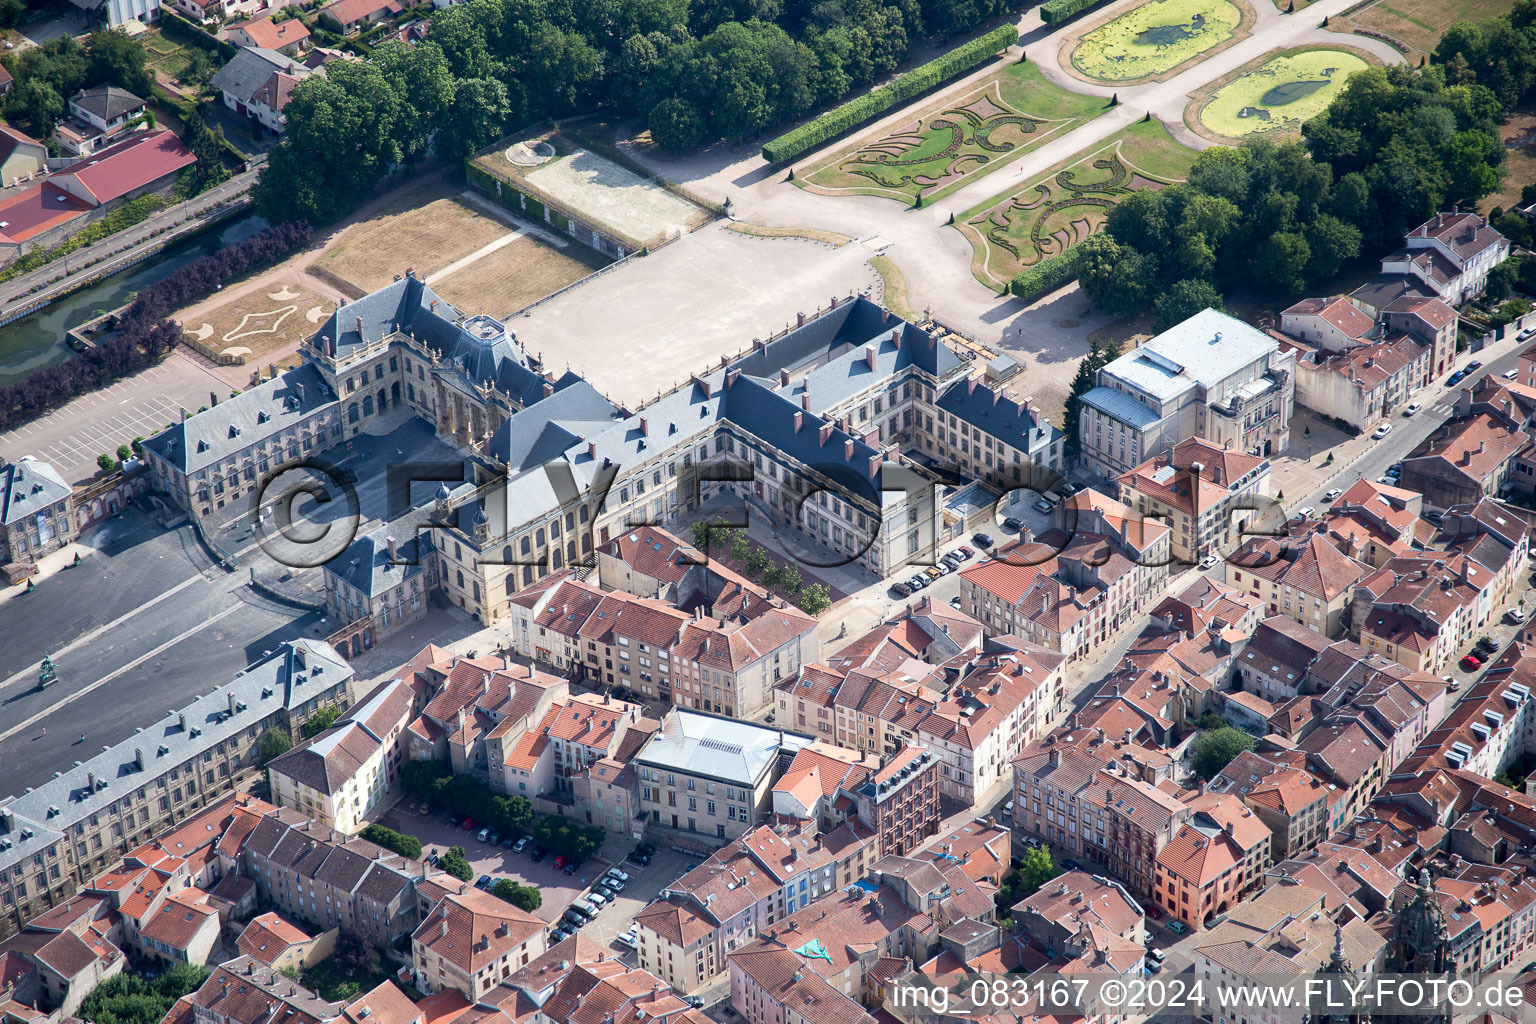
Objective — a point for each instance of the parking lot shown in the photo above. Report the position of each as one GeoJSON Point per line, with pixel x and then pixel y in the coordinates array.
{"type": "Point", "coordinates": [438, 831]}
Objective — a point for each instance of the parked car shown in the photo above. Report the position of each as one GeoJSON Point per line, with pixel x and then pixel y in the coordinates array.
{"type": "Point", "coordinates": [1457, 377]}
{"type": "Point", "coordinates": [1178, 927]}
{"type": "Point", "coordinates": [1412, 408]}
{"type": "Point", "coordinates": [645, 848]}
{"type": "Point", "coordinates": [485, 834]}
{"type": "Point", "coordinates": [1515, 615]}
{"type": "Point", "coordinates": [506, 844]}
{"type": "Point", "coordinates": [610, 887]}
{"type": "Point", "coordinates": [560, 861]}
{"type": "Point", "coordinates": [1154, 966]}
{"type": "Point", "coordinates": [933, 572]}
{"type": "Point", "coordinates": [598, 898]}
{"type": "Point", "coordinates": [1012, 524]}
{"type": "Point", "coordinates": [981, 540]}
{"type": "Point", "coordinates": [901, 589]}
{"type": "Point", "coordinates": [571, 866]}
{"type": "Point", "coordinates": [917, 582]}
{"type": "Point", "coordinates": [495, 839]}
{"type": "Point", "coordinates": [1042, 506]}
{"type": "Point", "coordinates": [1305, 512]}
{"type": "Point", "coordinates": [1474, 366]}
{"type": "Point", "coordinates": [586, 906]}
{"type": "Point", "coordinates": [617, 873]}
{"type": "Point", "coordinates": [1070, 488]}
{"type": "Point", "coordinates": [1333, 492]}
{"type": "Point", "coordinates": [1382, 431]}
{"type": "Point", "coordinates": [1471, 663]}
{"type": "Point", "coordinates": [521, 844]}
{"type": "Point", "coordinates": [539, 853]}
{"type": "Point", "coordinates": [558, 935]}
{"type": "Point", "coordinates": [627, 938]}
{"type": "Point", "coordinates": [1208, 562]}
{"type": "Point", "coordinates": [469, 823]}
{"type": "Point", "coordinates": [697, 1002]}
{"type": "Point", "coordinates": [966, 551]}
{"type": "Point", "coordinates": [485, 883]}
{"type": "Point", "coordinates": [1068, 864]}
{"type": "Point", "coordinates": [1153, 911]}
{"type": "Point", "coordinates": [1156, 954]}
{"type": "Point", "coordinates": [1486, 643]}
{"type": "Point", "coordinates": [1511, 374]}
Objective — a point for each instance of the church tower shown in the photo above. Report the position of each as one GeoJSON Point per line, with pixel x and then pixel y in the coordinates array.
{"type": "Point", "coordinates": [1421, 944]}
{"type": "Point", "coordinates": [1332, 1005]}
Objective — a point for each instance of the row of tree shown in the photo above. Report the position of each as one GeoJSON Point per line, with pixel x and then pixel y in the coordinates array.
{"type": "Point", "coordinates": [1394, 147]}
{"type": "Point", "coordinates": [128, 999]}
{"type": "Point", "coordinates": [143, 333]}
{"type": "Point", "coordinates": [693, 70]}
{"type": "Point", "coordinates": [468, 797]}
{"type": "Point", "coordinates": [1499, 53]}
{"type": "Point", "coordinates": [48, 75]}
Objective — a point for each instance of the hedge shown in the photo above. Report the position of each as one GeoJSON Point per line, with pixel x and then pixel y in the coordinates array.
{"type": "Point", "coordinates": [1045, 276]}
{"type": "Point", "coordinates": [1054, 12]}
{"type": "Point", "coordinates": [862, 108]}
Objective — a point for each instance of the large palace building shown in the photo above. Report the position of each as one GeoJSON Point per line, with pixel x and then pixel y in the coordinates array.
{"type": "Point", "coordinates": [845, 431]}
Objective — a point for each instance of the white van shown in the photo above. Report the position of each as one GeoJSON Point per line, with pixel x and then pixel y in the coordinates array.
{"type": "Point", "coordinates": [598, 898]}
{"type": "Point", "coordinates": [485, 834]}
{"type": "Point", "coordinates": [586, 906]}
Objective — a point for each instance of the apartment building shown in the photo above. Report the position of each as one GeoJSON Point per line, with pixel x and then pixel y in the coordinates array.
{"type": "Point", "coordinates": [1207, 496]}
{"type": "Point", "coordinates": [1479, 452]}
{"type": "Point", "coordinates": [1075, 900]}
{"type": "Point", "coordinates": [896, 798]}
{"type": "Point", "coordinates": [742, 890]}
{"type": "Point", "coordinates": [720, 659]}
{"type": "Point", "coordinates": [1303, 577]}
{"type": "Point", "coordinates": [279, 943]}
{"type": "Point", "coordinates": [474, 711]}
{"type": "Point", "coordinates": [711, 776]}
{"type": "Point", "coordinates": [1072, 590]}
{"type": "Point", "coordinates": [1082, 791]}
{"type": "Point", "coordinates": [474, 942]}
{"type": "Point", "coordinates": [247, 991]}
{"type": "Point", "coordinates": [1214, 860]}
{"type": "Point", "coordinates": [311, 873]}
{"type": "Point", "coordinates": [1450, 255]}
{"type": "Point", "coordinates": [1290, 801]}
{"type": "Point", "coordinates": [1372, 522]}
{"type": "Point", "coordinates": [1420, 610]}
{"type": "Point", "coordinates": [1211, 376]}
{"type": "Point", "coordinates": [338, 777]}
{"type": "Point", "coordinates": [56, 836]}
{"type": "Point", "coordinates": [575, 734]}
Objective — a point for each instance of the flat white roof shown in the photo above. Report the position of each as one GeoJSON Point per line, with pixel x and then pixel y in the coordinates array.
{"type": "Point", "coordinates": [1206, 349]}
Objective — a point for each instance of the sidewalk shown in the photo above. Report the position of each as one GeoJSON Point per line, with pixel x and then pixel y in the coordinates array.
{"type": "Point", "coordinates": [49, 566]}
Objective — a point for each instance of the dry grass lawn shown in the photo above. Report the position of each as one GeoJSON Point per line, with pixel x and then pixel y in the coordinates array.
{"type": "Point", "coordinates": [510, 278]}
{"type": "Point", "coordinates": [264, 321]}
{"type": "Point", "coordinates": [425, 230]}
{"type": "Point", "coordinates": [1420, 23]}
{"type": "Point", "coordinates": [1519, 135]}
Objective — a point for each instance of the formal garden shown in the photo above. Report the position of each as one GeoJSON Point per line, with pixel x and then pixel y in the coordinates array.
{"type": "Point", "coordinates": [957, 140]}
{"type": "Point", "coordinates": [1058, 209]}
{"type": "Point", "coordinates": [1154, 38]}
{"type": "Point", "coordinates": [1279, 94]}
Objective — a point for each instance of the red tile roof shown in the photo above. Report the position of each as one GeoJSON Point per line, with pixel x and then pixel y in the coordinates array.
{"type": "Point", "coordinates": [120, 169]}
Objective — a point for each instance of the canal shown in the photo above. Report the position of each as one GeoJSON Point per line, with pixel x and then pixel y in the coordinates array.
{"type": "Point", "coordinates": [36, 341]}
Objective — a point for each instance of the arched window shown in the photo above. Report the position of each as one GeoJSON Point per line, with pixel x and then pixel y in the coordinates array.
{"type": "Point", "coordinates": [511, 583]}
{"type": "Point", "coordinates": [506, 555]}
{"type": "Point", "coordinates": [527, 575]}
{"type": "Point", "coordinates": [556, 558]}
{"type": "Point", "coordinates": [583, 513]}
{"type": "Point", "coordinates": [570, 520]}
{"type": "Point", "coordinates": [352, 413]}
{"type": "Point", "coordinates": [461, 577]}
{"type": "Point", "coordinates": [458, 552]}
{"type": "Point", "coordinates": [570, 550]}
{"type": "Point", "coordinates": [524, 546]}
{"type": "Point", "coordinates": [538, 536]}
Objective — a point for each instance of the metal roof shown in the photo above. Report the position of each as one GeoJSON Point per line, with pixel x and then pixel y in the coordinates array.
{"type": "Point", "coordinates": [1120, 406]}
{"type": "Point", "coordinates": [695, 744]}
{"type": "Point", "coordinates": [1206, 349]}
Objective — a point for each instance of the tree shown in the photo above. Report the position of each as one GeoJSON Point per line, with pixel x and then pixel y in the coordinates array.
{"type": "Point", "coordinates": [676, 125]}
{"type": "Point", "coordinates": [355, 958]}
{"type": "Point", "coordinates": [106, 462]}
{"type": "Point", "coordinates": [11, 13]}
{"type": "Point", "coordinates": [1085, 380]}
{"type": "Point", "coordinates": [137, 445]}
{"type": "Point", "coordinates": [119, 59]}
{"type": "Point", "coordinates": [1214, 750]}
{"type": "Point", "coordinates": [274, 743]}
{"type": "Point", "coordinates": [791, 581]}
{"type": "Point", "coordinates": [479, 114]}
{"type": "Point", "coordinates": [128, 999]}
{"type": "Point", "coordinates": [456, 864]}
{"type": "Point", "coordinates": [741, 547]}
{"type": "Point", "coordinates": [1184, 300]}
{"type": "Point", "coordinates": [815, 599]}
{"type": "Point", "coordinates": [320, 721]}
{"type": "Point", "coordinates": [1037, 868]}
{"type": "Point", "coordinates": [124, 453]}
{"type": "Point", "coordinates": [757, 561]}
{"type": "Point", "coordinates": [773, 574]}
{"type": "Point", "coordinates": [524, 897]}
{"type": "Point", "coordinates": [37, 102]}
{"type": "Point", "coordinates": [1114, 277]}
{"type": "Point", "coordinates": [512, 813]}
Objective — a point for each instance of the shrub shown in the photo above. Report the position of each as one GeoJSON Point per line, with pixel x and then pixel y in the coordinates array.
{"type": "Point", "coordinates": [456, 864]}
{"type": "Point", "coordinates": [1044, 277]}
{"type": "Point", "coordinates": [1054, 12]}
{"type": "Point", "coordinates": [862, 108]}
{"type": "Point", "coordinates": [404, 845]}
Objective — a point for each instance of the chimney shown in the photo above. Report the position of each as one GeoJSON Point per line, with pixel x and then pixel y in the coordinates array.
{"type": "Point", "coordinates": [138, 758]}
{"type": "Point", "coordinates": [896, 335]}
{"type": "Point", "coordinates": [549, 389]}
{"type": "Point", "coordinates": [231, 702]}
{"type": "Point", "coordinates": [645, 426]}
{"type": "Point", "coordinates": [394, 549]}
{"type": "Point", "coordinates": [826, 433]}
{"type": "Point", "coordinates": [360, 330]}
{"type": "Point", "coordinates": [848, 448]}
{"type": "Point", "coordinates": [90, 781]}
{"type": "Point", "coordinates": [444, 929]}
{"type": "Point", "coordinates": [800, 319]}
{"type": "Point", "coordinates": [799, 420]}
{"type": "Point", "coordinates": [783, 378]}
{"type": "Point", "coordinates": [181, 720]}
{"type": "Point", "coordinates": [183, 414]}
{"type": "Point", "coordinates": [875, 461]}
{"type": "Point", "coordinates": [869, 356]}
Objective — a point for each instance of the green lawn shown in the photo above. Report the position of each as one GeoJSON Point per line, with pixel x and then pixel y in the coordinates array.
{"type": "Point", "coordinates": [1280, 94]}
{"type": "Point", "coordinates": [957, 140]}
{"type": "Point", "coordinates": [1154, 38]}
{"type": "Point", "coordinates": [1061, 207]}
